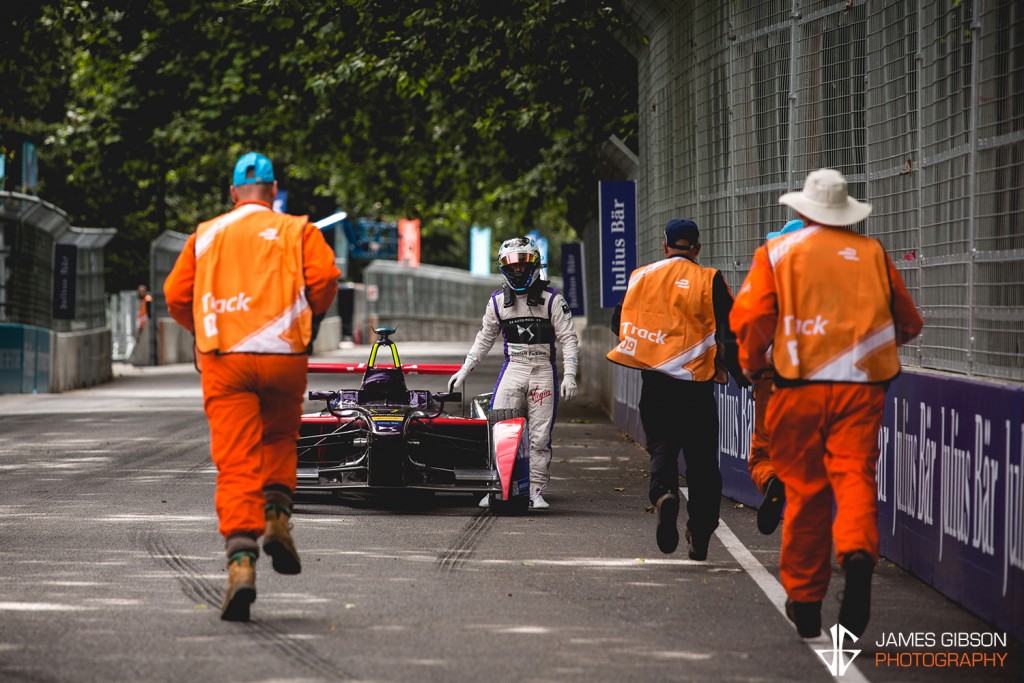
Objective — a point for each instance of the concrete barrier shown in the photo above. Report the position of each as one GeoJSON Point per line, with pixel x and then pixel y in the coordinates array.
{"type": "Point", "coordinates": [81, 359]}
{"type": "Point", "coordinates": [37, 360]}
{"type": "Point", "coordinates": [175, 344]}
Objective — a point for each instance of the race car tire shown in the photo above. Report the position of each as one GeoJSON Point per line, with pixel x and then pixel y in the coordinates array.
{"type": "Point", "coordinates": [519, 505]}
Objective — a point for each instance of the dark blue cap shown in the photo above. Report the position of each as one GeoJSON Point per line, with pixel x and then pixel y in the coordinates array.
{"type": "Point", "coordinates": [262, 170]}
{"type": "Point", "coordinates": [682, 233]}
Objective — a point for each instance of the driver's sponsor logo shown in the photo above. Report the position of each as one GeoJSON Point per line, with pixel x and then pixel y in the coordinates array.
{"type": "Point", "coordinates": [528, 330]}
{"type": "Point", "coordinates": [539, 396]}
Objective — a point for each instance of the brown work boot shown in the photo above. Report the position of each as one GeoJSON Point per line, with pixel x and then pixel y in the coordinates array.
{"type": "Point", "coordinates": [278, 543]}
{"type": "Point", "coordinates": [241, 590]}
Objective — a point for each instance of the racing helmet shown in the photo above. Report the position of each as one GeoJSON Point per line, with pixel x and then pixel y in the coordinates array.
{"type": "Point", "coordinates": [519, 262]}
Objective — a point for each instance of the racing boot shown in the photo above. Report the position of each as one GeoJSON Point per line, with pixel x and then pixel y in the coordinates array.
{"type": "Point", "coordinates": [537, 501]}
{"type": "Point", "coordinates": [241, 589]}
{"type": "Point", "coordinates": [277, 540]}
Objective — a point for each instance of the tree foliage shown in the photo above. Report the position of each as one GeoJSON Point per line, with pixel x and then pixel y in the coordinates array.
{"type": "Point", "coordinates": [459, 112]}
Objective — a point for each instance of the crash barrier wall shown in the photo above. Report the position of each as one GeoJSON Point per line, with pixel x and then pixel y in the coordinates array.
{"type": "Point", "coordinates": [52, 290]}
{"type": "Point", "coordinates": [81, 359]}
{"type": "Point", "coordinates": [950, 481]}
{"type": "Point", "coordinates": [428, 303]}
{"type": "Point", "coordinates": [170, 342]}
{"type": "Point", "coordinates": [36, 360]}
{"type": "Point", "coordinates": [175, 344]}
{"type": "Point", "coordinates": [919, 103]}
{"type": "Point", "coordinates": [25, 359]}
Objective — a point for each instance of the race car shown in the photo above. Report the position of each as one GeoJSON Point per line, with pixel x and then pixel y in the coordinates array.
{"type": "Point", "coordinates": [385, 437]}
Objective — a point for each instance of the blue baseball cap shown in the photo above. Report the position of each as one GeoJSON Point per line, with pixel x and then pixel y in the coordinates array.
{"type": "Point", "coordinates": [262, 170]}
{"type": "Point", "coordinates": [791, 226]}
{"type": "Point", "coordinates": [682, 233]}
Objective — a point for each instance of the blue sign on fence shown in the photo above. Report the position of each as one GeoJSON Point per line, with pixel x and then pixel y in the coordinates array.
{"type": "Point", "coordinates": [617, 215]}
{"type": "Point", "coordinates": [480, 250]}
{"type": "Point", "coordinates": [572, 277]}
{"type": "Point", "coordinates": [65, 281]}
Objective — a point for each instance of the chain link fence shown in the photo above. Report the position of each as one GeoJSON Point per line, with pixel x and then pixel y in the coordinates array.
{"type": "Point", "coordinates": [30, 229]}
{"type": "Point", "coordinates": [921, 106]}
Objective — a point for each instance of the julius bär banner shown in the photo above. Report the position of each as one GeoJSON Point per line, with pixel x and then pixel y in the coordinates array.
{"type": "Point", "coordinates": [572, 277]}
{"type": "Point", "coordinates": [617, 215]}
{"type": "Point", "coordinates": [950, 485]}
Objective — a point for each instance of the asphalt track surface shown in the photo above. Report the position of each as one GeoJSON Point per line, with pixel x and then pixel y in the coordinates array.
{"type": "Point", "coordinates": [111, 568]}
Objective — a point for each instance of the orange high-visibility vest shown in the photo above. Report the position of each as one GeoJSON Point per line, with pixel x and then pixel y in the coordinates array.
{"type": "Point", "coordinates": [142, 317]}
{"type": "Point", "coordinates": [835, 321]}
{"type": "Point", "coordinates": [667, 321]}
{"type": "Point", "coordinates": [238, 314]}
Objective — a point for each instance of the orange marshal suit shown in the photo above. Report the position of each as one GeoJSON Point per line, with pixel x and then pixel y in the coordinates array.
{"type": "Point", "coordinates": [835, 308]}
{"type": "Point", "coordinates": [247, 284]}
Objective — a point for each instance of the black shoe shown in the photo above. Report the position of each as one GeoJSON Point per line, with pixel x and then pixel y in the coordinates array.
{"type": "Point", "coordinates": [806, 616]}
{"type": "Point", "coordinates": [667, 533]}
{"type": "Point", "coordinates": [770, 512]}
{"type": "Point", "coordinates": [855, 608]}
{"type": "Point", "coordinates": [698, 546]}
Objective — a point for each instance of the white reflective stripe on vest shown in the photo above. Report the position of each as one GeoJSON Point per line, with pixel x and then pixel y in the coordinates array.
{"type": "Point", "coordinates": [673, 367]}
{"type": "Point", "coordinates": [267, 339]}
{"type": "Point", "coordinates": [641, 272]}
{"type": "Point", "coordinates": [204, 240]}
{"type": "Point", "coordinates": [844, 367]}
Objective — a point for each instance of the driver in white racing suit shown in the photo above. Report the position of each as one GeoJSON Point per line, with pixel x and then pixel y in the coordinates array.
{"type": "Point", "coordinates": [530, 316]}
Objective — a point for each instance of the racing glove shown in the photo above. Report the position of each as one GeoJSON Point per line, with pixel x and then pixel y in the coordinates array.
{"type": "Point", "coordinates": [459, 377]}
{"type": "Point", "coordinates": [569, 388]}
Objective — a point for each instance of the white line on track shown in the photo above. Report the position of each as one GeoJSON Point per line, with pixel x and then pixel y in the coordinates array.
{"type": "Point", "coordinates": [771, 587]}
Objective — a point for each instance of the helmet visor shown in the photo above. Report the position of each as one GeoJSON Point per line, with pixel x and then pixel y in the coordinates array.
{"type": "Point", "coordinates": [514, 257]}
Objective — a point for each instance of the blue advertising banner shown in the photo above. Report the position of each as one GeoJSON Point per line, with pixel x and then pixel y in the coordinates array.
{"type": "Point", "coordinates": [65, 281]}
{"type": "Point", "coordinates": [617, 216]}
{"type": "Point", "coordinates": [950, 485]}
{"type": "Point", "coordinates": [542, 247]}
{"type": "Point", "coordinates": [479, 250]}
{"type": "Point", "coordinates": [572, 277]}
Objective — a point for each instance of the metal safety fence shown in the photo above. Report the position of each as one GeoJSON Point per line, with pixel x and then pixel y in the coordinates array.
{"type": "Point", "coordinates": [920, 104]}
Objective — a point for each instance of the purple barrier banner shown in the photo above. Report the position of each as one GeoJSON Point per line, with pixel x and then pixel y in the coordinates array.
{"type": "Point", "coordinates": [950, 485]}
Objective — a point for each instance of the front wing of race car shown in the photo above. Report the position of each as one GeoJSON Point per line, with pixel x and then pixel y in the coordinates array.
{"type": "Point", "coordinates": [413, 444]}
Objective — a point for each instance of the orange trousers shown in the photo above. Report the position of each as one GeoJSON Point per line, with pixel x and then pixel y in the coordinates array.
{"type": "Point", "coordinates": [759, 464]}
{"type": "Point", "coordinates": [824, 443]}
{"type": "Point", "coordinates": [254, 405]}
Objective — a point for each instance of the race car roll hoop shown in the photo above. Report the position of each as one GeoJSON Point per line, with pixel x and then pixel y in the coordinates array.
{"type": "Point", "coordinates": [384, 436]}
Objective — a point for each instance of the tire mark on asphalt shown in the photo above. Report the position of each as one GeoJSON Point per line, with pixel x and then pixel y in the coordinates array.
{"type": "Point", "coordinates": [201, 591]}
{"type": "Point", "coordinates": [134, 455]}
{"type": "Point", "coordinates": [455, 556]}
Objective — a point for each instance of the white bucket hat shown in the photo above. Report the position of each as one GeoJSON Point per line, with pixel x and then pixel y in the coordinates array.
{"type": "Point", "coordinates": [824, 200]}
